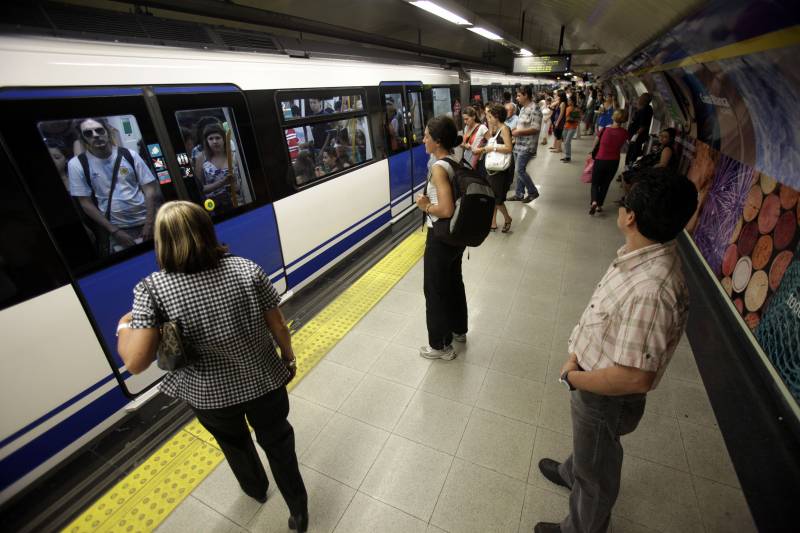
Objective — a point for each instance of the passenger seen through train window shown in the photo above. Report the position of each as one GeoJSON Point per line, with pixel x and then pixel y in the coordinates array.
{"type": "Point", "coordinates": [212, 158]}
{"type": "Point", "coordinates": [116, 192]}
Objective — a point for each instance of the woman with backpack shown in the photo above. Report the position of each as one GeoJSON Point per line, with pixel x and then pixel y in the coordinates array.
{"type": "Point", "coordinates": [445, 299]}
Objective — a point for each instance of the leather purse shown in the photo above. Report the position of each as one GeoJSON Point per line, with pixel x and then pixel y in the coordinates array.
{"type": "Point", "coordinates": [173, 352]}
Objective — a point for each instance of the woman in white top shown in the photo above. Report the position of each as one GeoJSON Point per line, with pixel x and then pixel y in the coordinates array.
{"type": "Point", "coordinates": [472, 136]}
{"type": "Point", "coordinates": [544, 105]}
{"type": "Point", "coordinates": [445, 299]}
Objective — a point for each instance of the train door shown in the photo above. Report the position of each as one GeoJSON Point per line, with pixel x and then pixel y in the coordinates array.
{"type": "Point", "coordinates": [402, 102]}
{"type": "Point", "coordinates": [209, 129]}
{"type": "Point", "coordinates": [101, 224]}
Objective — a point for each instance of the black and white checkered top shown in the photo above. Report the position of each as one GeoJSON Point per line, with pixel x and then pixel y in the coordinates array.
{"type": "Point", "coordinates": [221, 314]}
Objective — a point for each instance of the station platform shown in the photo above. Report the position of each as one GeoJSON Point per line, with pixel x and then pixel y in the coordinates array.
{"type": "Point", "coordinates": [391, 442]}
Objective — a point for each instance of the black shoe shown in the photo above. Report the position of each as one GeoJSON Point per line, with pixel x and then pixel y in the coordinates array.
{"type": "Point", "coordinates": [593, 209]}
{"type": "Point", "coordinates": [514, 199]}
{"type": "Point", "coordinates": [549, 469]}
{"type": "Point", "coordinates": [531, 197]}
{"type": "Point", "coordinates": [566, 160]}
{"type": "Point", "coordinates": [547, 527]}
{"type": "Point", "coordinates": [299, 522]}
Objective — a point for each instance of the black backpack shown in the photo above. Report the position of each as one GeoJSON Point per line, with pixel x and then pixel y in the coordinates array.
{"type": "Point", "coordinates": [472, 217]}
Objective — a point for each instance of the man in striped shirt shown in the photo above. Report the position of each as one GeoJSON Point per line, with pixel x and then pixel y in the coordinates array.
{"type": "Point", "coordinates": [622, 345]}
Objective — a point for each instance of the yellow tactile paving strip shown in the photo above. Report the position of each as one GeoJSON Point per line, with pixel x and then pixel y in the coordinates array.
{"type": "Point", "coordinates": [146, 496]}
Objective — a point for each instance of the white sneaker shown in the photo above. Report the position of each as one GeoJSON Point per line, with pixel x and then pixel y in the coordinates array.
{"type": "Point", "coordinates": [460, 337]}
{"type": "Point", "coordinates": [447, 353]}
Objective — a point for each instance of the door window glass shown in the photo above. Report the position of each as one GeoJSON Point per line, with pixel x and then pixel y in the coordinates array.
{"type": "Point", "coordinates": [111, 175]}
{"type": "Point", "coordinates": [417, 127]}
{"type": "Point", "coordinates": [395, 125]}
{"type": "Point", "coordinates": [441, 101]}
{"type": "Point", "coordinates": [211, 157]}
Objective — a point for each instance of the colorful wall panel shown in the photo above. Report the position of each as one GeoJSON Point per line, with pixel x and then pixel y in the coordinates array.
{"type": "Point", "coordinates": [727, 79]}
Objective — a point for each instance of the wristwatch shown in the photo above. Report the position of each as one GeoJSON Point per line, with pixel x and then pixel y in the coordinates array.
{"type": "Point", "coordinates": [565, 380]}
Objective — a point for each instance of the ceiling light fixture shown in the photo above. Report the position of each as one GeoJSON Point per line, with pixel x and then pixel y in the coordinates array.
{"type": "Point", "coordinates": [439, 11]}
{"type": "Point", "coordinates": [485, 33]}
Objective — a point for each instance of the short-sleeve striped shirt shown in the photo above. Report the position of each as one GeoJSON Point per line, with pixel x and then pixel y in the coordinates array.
{"type": "Point", "coordinates": [221, 314]}
{"type": "Point", "coordinates": [637, 313]}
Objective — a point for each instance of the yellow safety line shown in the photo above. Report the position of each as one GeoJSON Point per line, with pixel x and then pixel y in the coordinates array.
{"type": "Point", "coordinates": [769, 41]}
{"type": "Point", "coordinates": [146, 496]}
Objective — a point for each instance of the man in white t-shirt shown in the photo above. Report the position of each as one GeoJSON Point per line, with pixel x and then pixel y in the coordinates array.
{"type": "Point", "coordinates": [126, 206]}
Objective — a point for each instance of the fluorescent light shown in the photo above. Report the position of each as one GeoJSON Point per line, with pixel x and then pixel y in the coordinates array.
{"type": "Point", "coordinates": [485, 33]}
{"type": "Point", "coordinates": [439, 11]}
{"type": "Point", "coordinates": [525, 52]}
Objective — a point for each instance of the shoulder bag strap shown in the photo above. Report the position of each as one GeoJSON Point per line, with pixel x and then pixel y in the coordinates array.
{"type": "Point", "coordinates": [117, 163]}
{"type": "Point", "coordinates": [160, 316]}
{"type": "Point", "coordinates": [84, 161]}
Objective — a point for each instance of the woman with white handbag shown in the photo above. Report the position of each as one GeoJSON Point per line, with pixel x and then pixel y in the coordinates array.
{"type": "Point", "coordinates": [498, 161]}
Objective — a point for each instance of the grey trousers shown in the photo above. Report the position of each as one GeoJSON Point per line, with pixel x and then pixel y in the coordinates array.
{"type": "Point", "coordinates": [593, 469]}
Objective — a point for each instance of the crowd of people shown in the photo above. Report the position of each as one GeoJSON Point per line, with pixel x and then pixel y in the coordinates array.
{"type": "Point", "coordinates": [617, 353]}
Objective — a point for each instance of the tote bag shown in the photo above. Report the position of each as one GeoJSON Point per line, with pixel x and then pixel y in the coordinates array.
{"type": "Point", "coordinates": [586, 176]}
{"type": "Point", "coordinates": [496, 161]}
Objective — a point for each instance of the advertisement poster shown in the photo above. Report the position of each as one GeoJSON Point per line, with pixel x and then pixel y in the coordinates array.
{"type": "Point", "coordinates": [779, 331]}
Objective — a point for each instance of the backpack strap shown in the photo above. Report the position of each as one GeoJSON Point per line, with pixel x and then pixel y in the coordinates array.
{"type": "Point", "coordinates": [84, 161]}
{"type": "Point", "coordinates": [114, 174]}
{"type": "Point", "coordinates": [129, 158]}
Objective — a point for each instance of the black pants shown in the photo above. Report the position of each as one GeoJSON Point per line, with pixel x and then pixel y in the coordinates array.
{"type": "Point", "coordinates": [602, 173]}
{"type": "Point", "coordinates": [445, 299]}
{"type": "Point", "coordinates": [594, 468]}
{"type": "Point", "coordinates": [267, 414]}
{"type": "Point", "coordinates": [635, 150]}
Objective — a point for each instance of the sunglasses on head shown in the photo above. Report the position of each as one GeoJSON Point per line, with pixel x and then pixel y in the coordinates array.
{"type": "Point", "coordinates": [93, 132]}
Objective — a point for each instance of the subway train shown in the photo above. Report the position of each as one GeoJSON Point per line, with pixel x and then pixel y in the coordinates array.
{"type": "Point", "coordinates": [322, 155]}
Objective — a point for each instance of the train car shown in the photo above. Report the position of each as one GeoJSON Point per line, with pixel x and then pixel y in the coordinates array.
{"type": "Point", "coordinates": [298, 161]}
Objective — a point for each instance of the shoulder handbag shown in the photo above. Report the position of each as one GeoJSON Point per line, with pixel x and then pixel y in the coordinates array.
{"type": "Point", "coordinates": [173, 352]}
{"type": "Point", "coordinates": [496, 161]}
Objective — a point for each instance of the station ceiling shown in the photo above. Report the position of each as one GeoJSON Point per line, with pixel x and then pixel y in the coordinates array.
{"type": "Point", "coordinates": [599, 33]}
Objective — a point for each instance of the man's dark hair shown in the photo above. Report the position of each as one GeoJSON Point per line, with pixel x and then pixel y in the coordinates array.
{"type": "Point", "coordinates": [498, 111]}
{"type": "Point", "coordinates": [527, 90]}
{"type": "Point", "coordinates": [443, 130]}
{"type": "Point", "coordinates": [662, 201]}
{"type": "Point", "coordinates": [100, 120]}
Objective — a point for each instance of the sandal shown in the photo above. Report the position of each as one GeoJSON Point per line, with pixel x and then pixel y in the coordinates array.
{"type": "Point", "coordinates": [506, 226]}
{"type": "Point", "coordinates": [493, 228]}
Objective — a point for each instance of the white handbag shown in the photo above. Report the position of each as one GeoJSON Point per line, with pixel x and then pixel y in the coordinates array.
{"type": "Point", "coordinates": [496, 161]}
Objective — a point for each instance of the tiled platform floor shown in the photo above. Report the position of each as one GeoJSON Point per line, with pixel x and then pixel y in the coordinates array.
{"type": "Point", "coordinates": [390, 442]}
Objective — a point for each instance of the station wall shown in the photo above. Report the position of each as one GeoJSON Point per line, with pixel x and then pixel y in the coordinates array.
{"type": "Point", "coordinates": [726, 78]}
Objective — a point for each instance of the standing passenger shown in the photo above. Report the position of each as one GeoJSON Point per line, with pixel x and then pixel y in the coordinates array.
{"type": "Point", "coordinates": [472, 136]}
{"type": "Point", "coordinates": [526, 136]}
{"type": "Point", "coordinates": [499, 140]}
{"type": "Point", "coordinates": [606, 160]}
{"type": "Point", "coordinates": [621, 347]}
{"type": "Point", "coordinates": [445, 299]}
{"type": "Point", "coordinates": [639, 128]}
{"type": "Point", "coordinates": [228, 312]}
{"type": "Point", "coordinates": [571, 124]}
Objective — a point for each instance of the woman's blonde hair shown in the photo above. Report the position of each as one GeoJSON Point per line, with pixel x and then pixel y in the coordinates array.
{"type": "Point", "coordinates": [185, 239]}
{"type": "Point", "coordinates": [619, 116]}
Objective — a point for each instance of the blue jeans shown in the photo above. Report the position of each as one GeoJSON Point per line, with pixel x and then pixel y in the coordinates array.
{"type": "Point", "coordinates": [524, 181]}
{"type": "Point", "coordinates": [568, 135]}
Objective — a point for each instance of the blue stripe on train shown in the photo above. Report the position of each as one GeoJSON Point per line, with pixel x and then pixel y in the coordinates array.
{"type": "Point", "coordinates": [341, 247]}
{"type": "Point", "coordinates": [76, 92]}
{"type": "Point", "coordinates": [55, 439]}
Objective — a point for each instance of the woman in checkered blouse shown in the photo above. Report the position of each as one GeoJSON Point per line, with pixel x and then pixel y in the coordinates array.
{"type": "Point", "coordinates": [227, 310]}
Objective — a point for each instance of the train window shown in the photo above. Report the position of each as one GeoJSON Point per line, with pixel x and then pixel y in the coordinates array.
{"type": "Point", "coordinates": [294, 108]}
{"type": "Point", "coordinates": [324, 148]}
{"type": "Point", "coordinates": [212, 155]}
{"type": "Point", "coordinates": [441, 101]}
{"type": "Point", "coordinates": [395, 124]}
{"type": "Point", "coordinates": [114, 189]}
{"type": "Point", "coordinates": [417, 128]}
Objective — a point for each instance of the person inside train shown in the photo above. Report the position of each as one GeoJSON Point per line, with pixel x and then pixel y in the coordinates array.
{"type": "Point", "coordinates": [616, 358]}
{"type": "Point", "coordinates": [319, 131]}
{"type": "Point", "coordinates": [360, 146]}
{"type": "Point", "coordinates": [119, 194]}
{"type": "Point", "coordinates": [219, 182]}
{"type": "Point", "coordinates": [329, 162]}
{"type": "Point", "coordinates": [196, 155]}
{"type": "Point", "coordinates": [394, 123]}
{"type": "Point", "coordinates": [228, 314]}
{"type": "Point", "coordinates": [304, 168]}
{"type": "Point", "coordinates": [445, 299]}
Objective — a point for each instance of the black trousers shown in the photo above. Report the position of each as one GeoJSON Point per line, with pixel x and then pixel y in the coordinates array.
{"type": "Point", "coordinates": [635, 150]}
{"type": "Point", "coordinates": [445, 299]}
{"type": "Point", "coordinates": [602, 173]}
{"type": "Point", "coordinates": [267, 414]}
